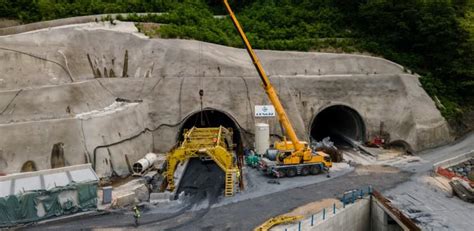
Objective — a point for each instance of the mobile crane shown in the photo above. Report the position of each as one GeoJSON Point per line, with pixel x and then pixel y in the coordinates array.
{"type": "Point", "coordinates": [294, 157]}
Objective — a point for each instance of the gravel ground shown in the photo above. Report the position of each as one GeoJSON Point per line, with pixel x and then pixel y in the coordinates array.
{"type": "Point", "coordinates": [246, 214]}
{"type": "Point", "coordinates": [424, 200]}
{"type": "Point", "coordinates": [257, 184]}
{"type": "Point", "coordinates": [407, 184]}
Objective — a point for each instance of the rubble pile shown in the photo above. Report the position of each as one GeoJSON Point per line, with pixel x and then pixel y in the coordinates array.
{"type": "Point", "coordinates": [464, 169]}
{"type": "Point", "coordinates": [462, 189]}
{"type": "Point", "coordinates": [327, 146]}
{"type": "Point", "coordinates": [463, 181]}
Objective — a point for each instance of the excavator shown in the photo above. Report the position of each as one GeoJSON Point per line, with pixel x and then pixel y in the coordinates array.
{"type": "Point", "coordinates": [293, 157]}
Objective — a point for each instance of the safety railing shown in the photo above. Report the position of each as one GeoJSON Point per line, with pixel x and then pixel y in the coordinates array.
{"type": "Point", "coordinates": [349, 197]}
{"type": "Point", "coordinates": [352, 195]}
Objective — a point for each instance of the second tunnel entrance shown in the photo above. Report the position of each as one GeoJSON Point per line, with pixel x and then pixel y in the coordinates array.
{"type": "Point", "coordinates": [339, 123]}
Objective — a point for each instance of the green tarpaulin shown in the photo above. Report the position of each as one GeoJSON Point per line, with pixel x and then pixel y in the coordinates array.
{"type": "Point", "coordinates": [23, 208]}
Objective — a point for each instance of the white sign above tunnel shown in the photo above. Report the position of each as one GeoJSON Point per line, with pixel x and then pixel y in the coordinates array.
{"type": "Point", "coordinates": [264, 111]}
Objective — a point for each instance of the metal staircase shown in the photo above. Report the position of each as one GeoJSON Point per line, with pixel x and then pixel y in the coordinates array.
{"type": "Point", "coordinates": [229, 183]}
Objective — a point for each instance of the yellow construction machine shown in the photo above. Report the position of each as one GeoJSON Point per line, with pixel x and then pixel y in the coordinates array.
{"type": "Point", "coordinates": [279, 220]}
{"type": "Point", "coordinates": [208, 144]}
{"type": "Point", "coordinates": [294, 157]}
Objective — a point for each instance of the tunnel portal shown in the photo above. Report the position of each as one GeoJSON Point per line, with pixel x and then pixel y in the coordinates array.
{"type": "Point", "coordinates": [211, 118]}
{"type": "Point", "coordinates": [204, 180]}
{"type": "Point", "coordinates": [339, 123]}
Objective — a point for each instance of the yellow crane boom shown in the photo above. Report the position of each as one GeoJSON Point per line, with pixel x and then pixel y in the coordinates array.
{"type": "Point", "coordinates": [294, 159]}
{"type": "Point", "coordinates": [272, 95]}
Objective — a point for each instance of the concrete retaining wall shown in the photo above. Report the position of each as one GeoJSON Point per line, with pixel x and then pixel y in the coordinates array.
{"type": "Point", "coordinates": [33, 141]}
{"type": "Point", "coordinates": [364, 215]}
{"type": "Point", "coordinates": [380, 220]}
{"type": "Point", "coordinates": [354, 217]}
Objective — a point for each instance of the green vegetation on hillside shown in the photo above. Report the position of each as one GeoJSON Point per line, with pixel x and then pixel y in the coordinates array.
{"type": "Point", "coordinates": [434, 38]}
{"type": "Point", "coordinates": [39, 10]}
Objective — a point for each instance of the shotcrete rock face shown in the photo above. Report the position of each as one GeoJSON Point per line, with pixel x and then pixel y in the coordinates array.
{"type": "Point", "coordinates": [338, 122]}
{"type": "Point", "coordinates": [61, 85]}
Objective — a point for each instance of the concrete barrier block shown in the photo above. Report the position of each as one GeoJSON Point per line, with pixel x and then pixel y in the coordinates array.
{"type": "Point", "coordinates": [124, 200]}
{"type": "Point", "coordinates": [161, 197]}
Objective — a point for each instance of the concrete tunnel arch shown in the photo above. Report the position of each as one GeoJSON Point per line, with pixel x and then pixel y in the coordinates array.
{"type": "Point", "coordinates": [210, 117]}
{"type": "Point", "coordinates": [205, 179]}
{"type": "Point", "coordinates": [336, 122]}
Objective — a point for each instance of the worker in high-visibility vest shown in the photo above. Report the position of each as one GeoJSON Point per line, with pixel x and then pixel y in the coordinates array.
{"type": "Point", "coordinates": [239, 182]}
{"type": "Point", "coordinates": [136, 215]}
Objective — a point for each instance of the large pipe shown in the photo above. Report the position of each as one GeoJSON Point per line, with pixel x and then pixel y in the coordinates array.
{"type": "Point", "coordinates": [144, 163]}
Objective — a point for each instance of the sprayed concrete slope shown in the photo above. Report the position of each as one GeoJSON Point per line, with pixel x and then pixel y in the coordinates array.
{"type": "Point", "coordinates": [56, 87]}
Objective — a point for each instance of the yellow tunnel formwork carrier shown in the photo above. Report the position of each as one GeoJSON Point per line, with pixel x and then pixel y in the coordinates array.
{"type": "Point", "coordinates": [214, 143]}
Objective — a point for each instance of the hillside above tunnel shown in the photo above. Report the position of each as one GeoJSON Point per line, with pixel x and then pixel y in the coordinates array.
{"type": "Point", "coordinates": [109, 95]}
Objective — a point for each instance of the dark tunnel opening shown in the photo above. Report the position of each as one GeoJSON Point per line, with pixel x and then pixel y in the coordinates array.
{"type": "Point", "coordinates": [340, 123]}
{"type": "Point", "coordinates": [203, 180]}
{"type": "Point", "coordinates": [211, 118]}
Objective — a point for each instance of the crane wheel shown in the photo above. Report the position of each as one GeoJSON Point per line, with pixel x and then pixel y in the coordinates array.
{"type": "Point", "coordinates": [291, 172]}
{"type": "Point", "coordinates": [315, 170]}
{"type": "Point", "coordinates": [304, 171]}
{"type": "Point", "coordinates": [281, 173]}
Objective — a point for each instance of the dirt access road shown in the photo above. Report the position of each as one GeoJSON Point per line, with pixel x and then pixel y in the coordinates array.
{"type": "Point", "coordinates": [244, 215]}
{"type": "Point", "coordinates": [247, 214]}
{"type": "Point", "coordinates": [422, 198]}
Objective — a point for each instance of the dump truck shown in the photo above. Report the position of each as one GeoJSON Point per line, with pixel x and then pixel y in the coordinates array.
{"type": "Point", "coordinates": [293, 157]}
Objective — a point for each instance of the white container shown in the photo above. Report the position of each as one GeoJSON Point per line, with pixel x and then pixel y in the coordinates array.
{"type": "Point", "coordinates": [262, 138]}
